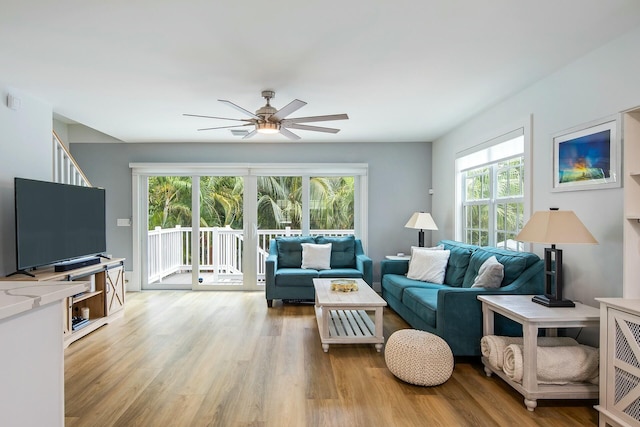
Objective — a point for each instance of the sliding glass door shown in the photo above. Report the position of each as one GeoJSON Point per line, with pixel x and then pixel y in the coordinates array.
{"type": "Point", "coordinates": [186, 251]}
{"type": "Point", "coordinates": [241, 209]}
{"type": "Point", "coordinates": [168, 236]}
{"type": "Point", "coordinates": [220, 238]}
{"type": "Point", "coordinates": [279, 213]}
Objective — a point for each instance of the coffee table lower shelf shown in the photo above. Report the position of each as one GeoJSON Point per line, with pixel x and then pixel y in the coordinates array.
{"type": "Point", "coordinates": [346, 327]}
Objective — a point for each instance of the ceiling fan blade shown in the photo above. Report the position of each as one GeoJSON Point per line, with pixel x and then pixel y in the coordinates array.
{"type": "Point", "coordinates": [250, 134]}
{"type": "Point", "coordinates": [326, 118]}
{"type": "Point", "coordinates": [213, 117]}
{"type": "Point", "coordinates": [294, 105]}
{"type": "Point", "coordinates": [226, 127]}
{"type": "Point", "coordinates": [242, 110]}
{"type": "Point", "coordinates": [313, 128]}
{"type": "Point", "coordinates": [289, 134]}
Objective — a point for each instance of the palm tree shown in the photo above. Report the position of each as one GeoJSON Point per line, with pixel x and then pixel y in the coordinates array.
{"type": "Point", "coordinates": [279, 202]}
{"type": "Point", "coordinates": [332, 202]}
{"type": "Point", "coordinates": [221, 201]}
{"type": "Point", "coordinates": [169, 201]}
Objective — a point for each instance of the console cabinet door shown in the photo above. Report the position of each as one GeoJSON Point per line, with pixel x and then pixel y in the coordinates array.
{"type": "Point", "coordinates": [115, 290]}
{"type": "Point", "coordinates": [623, 366]}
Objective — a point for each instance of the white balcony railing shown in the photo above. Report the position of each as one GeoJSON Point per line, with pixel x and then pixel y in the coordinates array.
{"type": "Point", "coordinates": [169, 250]}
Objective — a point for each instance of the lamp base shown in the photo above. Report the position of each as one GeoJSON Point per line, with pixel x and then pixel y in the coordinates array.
{"type": "Point", "coordinates": [552, 302]}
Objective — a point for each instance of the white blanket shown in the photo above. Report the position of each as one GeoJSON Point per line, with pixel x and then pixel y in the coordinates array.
{"type": "Point", "coordinates": [555, 365]}
{"type": "Point", "coordinates": [492, 346]}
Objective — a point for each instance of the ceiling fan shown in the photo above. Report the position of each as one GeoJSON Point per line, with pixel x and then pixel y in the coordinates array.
{"type": "Point", "coordinates": [268, 120]}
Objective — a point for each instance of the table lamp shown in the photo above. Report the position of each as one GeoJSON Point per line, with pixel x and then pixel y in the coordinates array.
{"type": "Point", "coordinates": [421, 221]}
{"type": "Point", "coordinates": [554, 227]}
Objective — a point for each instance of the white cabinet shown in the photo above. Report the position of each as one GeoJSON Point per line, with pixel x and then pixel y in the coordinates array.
{"type": "Point", "coordinates": [105, 300]}
{"type": "Point", "coordinates": [619, 362]}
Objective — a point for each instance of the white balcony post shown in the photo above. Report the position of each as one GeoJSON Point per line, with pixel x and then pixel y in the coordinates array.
{"type": "Point", "coordinates": [215, 247]}
{"type": "Point", "coordinates": [159, 254]}
{"type": "Point", "coordinates": [177, 241]}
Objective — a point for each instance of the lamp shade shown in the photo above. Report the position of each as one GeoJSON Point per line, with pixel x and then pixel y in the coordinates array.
{"type": "Point", "coordinates": [421, 221]}
{"type": "Point", "coordinates": [555, 226]}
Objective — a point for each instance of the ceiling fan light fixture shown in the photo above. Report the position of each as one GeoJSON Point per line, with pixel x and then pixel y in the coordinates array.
{"type": "Point", "coordinates": [268, 128]}
{"type": "Point", "coordinates": [269, 120]}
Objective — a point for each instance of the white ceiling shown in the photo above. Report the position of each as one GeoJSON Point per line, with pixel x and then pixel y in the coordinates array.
{"type": "Point", "coordinates": [404, 70]}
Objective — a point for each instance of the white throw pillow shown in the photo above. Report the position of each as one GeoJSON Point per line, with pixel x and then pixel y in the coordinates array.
{"type": "Point", "coordinates": [428, 265]}
{"type": "Point", "coordinates": [490, 274]}
{"type": "Point", "coordinates": [317, 257]}
{"type": "Point", "coordinates": [421, 248]}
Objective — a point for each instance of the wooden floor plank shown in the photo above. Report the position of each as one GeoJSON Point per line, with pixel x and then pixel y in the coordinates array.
{"type": "Point", "coordinates": [224, 359]}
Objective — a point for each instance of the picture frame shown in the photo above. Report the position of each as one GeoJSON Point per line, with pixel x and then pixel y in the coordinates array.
{"type": "Point", "coordinates": [587, 157]}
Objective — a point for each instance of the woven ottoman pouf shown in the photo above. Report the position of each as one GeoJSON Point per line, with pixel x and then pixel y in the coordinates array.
{"type": "Point", "coordinates": [418, 357]}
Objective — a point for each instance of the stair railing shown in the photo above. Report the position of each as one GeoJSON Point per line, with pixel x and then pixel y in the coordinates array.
{"type": "Point", "coordinates": [65, 168]}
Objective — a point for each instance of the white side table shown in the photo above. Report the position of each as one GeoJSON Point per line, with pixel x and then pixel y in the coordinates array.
{"type": "Point", "coordinates": [532, 317]}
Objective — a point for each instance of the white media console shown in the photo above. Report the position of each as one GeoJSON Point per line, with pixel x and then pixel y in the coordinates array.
{"type": "Point", "coordinates": [104, 299]}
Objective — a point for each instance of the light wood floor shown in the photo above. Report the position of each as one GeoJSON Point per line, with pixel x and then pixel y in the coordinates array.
{"type": "Point", "coordinates": [182, 358]}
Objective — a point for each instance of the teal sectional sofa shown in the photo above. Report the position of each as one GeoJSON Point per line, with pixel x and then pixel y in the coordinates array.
{"type": "Point", "coordinates": [452, 310]}
{"type": "Point", "coordinates": [286, 279]}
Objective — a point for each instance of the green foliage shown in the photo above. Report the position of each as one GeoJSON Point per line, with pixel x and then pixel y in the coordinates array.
{"type": "Point", "coordinates": [279, 202]}
{"type": "Point", "coordinates": [169, 201]}
{"type": "Point", "coordinates": [505, 198]}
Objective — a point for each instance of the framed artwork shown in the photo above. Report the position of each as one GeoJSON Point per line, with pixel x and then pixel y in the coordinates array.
{"type": "Point", "coordinates": [587, 157]}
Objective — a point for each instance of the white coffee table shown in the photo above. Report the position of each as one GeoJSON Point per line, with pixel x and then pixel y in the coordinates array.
{"type": "Point", "coordinates": [343, 318]}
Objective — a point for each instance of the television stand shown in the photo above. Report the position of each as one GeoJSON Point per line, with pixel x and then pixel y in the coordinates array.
{"type": "Point", "coordinates": [104, 298]}
{"type": "Point", "coordinates": [21, 272]}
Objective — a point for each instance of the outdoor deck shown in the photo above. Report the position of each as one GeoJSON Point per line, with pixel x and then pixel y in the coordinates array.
{"type": "Point", "coordinates": [170, 259]}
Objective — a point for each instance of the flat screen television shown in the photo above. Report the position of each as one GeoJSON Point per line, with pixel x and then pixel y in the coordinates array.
{"type": "Point", "coordinates": [57, 222]}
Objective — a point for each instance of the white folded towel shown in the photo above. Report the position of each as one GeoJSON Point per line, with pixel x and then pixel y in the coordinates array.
{"type": "Point", "coordinates": [492, 346]}
{"type": "Point", "coordinates": [555, 365]}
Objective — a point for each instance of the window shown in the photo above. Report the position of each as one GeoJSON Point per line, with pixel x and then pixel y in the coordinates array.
{"type": "Point", "coordinates": [492, 193]}
{"type": "Point", "coordinates": [331, 204]}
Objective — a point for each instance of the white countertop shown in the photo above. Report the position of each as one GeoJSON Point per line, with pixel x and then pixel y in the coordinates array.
{"type": "Point", "coordinates": [18, 296]}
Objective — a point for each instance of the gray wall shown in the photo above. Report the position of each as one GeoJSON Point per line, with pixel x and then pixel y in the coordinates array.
{"type": "Point", "coordinates": [399, 179]}
{"type": "Point", "coordinates": [25, 151]}
{"type": "Point", "coordinates": [600, 84]}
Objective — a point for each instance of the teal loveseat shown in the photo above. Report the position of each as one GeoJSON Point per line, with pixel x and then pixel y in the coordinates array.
{"type": "Point", "coordinates": [286, 279]}
{"type": "Point", "coordinates": [452, 310]}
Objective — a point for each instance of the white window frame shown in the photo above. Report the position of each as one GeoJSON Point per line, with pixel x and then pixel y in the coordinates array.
{"type": "Point", "coordinates": [140, 172]}
{"type": "Point", "coordinates": [487, 152]}
{"type": "Point", "coordinates": [492, 202]}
